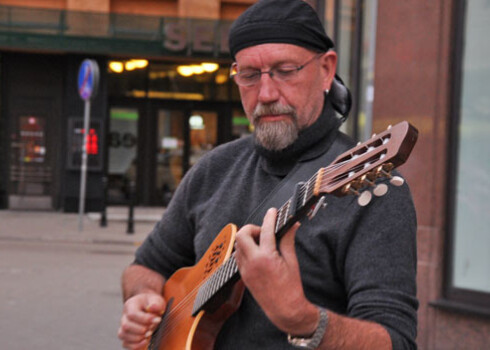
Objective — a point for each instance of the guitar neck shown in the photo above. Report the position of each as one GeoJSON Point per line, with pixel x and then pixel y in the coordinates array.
{"type": "Point", "coordinates": [350, 172]}
{"type": "Point", "coordinates": [287, 215]}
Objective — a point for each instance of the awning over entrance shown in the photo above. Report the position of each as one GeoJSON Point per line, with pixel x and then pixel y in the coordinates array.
{"type": "Point", "coordinates": [111, 33]}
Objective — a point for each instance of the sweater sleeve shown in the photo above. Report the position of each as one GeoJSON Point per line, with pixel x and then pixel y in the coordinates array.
{"type": "Point", "coordinates": [380, 266]}
{"type": "Point", "coordinates": [169, 246]}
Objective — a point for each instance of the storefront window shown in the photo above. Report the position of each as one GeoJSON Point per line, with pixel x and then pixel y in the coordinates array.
{"type": "Point", "coordinates": [29, 173]}
{"type": "Point", "coordinates": [240, 125]}
{"type": "Point", "coordinates": [203, 127]}
{"type": "Point", "coordinates": [170, 153]}
{"type": "Point", "coordinates": [471, 241]}
{"type": "Point", "coordinates": [355, 34]}
{"type": "Point", "coordinates": [122, 141]}
{"type": "Point", "coordinates": [197, 80]}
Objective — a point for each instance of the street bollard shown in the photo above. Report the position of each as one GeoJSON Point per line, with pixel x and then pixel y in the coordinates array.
{"type": "Point", "coordinates": [130, 228]}
{"type": "Point", "coordinates": [103, 214]}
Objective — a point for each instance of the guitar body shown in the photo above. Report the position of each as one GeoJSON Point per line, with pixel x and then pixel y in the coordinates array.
{"type": "Point", "coordinates": [179, 329]}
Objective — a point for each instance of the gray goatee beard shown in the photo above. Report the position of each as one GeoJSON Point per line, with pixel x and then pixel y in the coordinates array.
{"type": "Point", "coordinates": [278, 135]}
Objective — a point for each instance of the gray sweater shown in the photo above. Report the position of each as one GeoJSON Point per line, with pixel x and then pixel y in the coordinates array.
{"type": "Point", "coordinates": [356, 261]}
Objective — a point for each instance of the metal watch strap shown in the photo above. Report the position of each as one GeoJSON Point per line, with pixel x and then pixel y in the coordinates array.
{"type": "Point", "coordinates": [314, 341]}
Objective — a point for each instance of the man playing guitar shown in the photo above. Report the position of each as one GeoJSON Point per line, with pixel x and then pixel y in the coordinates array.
{"type": "Point", "coordinates": [343, 280]}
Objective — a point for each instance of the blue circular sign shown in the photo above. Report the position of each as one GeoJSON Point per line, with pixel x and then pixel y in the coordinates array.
{"type": "Point", "coordinates": [88, 79]}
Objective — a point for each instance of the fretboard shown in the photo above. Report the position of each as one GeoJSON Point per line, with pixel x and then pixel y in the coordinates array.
{"type": "Point", "coordinates": [289, 213]}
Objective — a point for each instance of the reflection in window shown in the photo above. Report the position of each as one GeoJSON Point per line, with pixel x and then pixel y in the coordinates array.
{"type": "Point", "coordinates": [122, 142]}
{"type": "Point", "coordinates": [203, 133]}
{"type": "Point", "coordinates": [170, 153]}
{"type": "Point", "coordinates": [356, 48]}
{"type": "Point", "coordinates": [471, 251]}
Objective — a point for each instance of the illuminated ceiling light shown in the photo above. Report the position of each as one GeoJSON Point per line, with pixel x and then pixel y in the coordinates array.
{"type": "Point", "coordinates": [210, 67]}
{"type": "Point", "coordinates": [221, 78]}
{"type": "Point", "coordinates": [197, 69]}
{"type": "Point", "coordinates": [116, 67]}
{"type": "Point", "coordinates": [139, 63]}
{"type": "Point", "coordinates": [129, 65]}
{"type": "Point", "coordinates": [196, 122]}
{"type": "Point", "coordinates": [185, 71]}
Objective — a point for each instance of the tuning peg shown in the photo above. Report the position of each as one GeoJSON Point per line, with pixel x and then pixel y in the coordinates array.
{"type": "Point", "coordinates": [380, 190]}
{"type": "Point", "coordinates": [364, 198]}
{"type": "Point", "coordinates": [397, 181]}
{"type": "Point", "coordinates": [349, 189]}
{"type": "Point", "coordinates": [366, 180]}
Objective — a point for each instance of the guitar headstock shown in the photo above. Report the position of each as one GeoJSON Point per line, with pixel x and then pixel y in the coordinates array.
{"type": "Point", "coordinates": [369, 161]}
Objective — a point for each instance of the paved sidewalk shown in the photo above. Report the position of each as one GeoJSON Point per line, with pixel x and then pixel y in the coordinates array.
{"type": "Point", "coordinates": [63, 227]}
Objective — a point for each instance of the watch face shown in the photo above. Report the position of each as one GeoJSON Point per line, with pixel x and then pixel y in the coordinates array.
{"type": "Point", "coordinates": [302, 343]}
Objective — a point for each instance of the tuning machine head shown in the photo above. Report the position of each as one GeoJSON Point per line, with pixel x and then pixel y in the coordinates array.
{"type": "Point", "coordinates": [364, 198]}
{"type": "Point", "coordinates": [397, 181]}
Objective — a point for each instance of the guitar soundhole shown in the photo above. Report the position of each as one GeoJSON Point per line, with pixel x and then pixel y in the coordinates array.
{"type": "Point", "coordinates": [156, 337]}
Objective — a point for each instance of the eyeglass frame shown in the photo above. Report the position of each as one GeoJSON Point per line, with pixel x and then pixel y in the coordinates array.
{"type": "Point", "coordinates": [271, 72]}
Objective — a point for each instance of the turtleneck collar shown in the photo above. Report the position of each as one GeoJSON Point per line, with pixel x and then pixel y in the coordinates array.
{"type": "Point", "coordinates": [311, 143]}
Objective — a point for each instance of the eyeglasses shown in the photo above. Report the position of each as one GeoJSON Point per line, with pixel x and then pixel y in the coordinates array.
{"type": "Point", "coordinates": [281, 73]}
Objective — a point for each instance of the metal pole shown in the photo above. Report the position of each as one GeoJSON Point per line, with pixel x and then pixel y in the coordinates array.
{"type": "Point", "coordinates": [83, 169]}
{"type": "Point", "coordinates": [132, 188]}
{"type": "Point", "coordinates": [103, 215]}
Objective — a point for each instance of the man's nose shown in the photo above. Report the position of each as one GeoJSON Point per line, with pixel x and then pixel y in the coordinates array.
{"type": "Point", "coordinates": [268, 89]}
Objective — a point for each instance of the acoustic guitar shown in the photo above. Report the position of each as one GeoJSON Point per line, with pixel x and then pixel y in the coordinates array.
{"type": "Point", "coordinates": [200, 298]}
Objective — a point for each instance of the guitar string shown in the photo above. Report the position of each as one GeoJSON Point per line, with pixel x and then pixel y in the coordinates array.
{"type": "Point", "coordinates": [187, 299]}
{"type": "Point", "coordinates": [167, 327]}
{"type": "Point", "coordinates": [302, 192]}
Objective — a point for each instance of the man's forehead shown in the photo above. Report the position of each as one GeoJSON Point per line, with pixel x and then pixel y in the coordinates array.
{"type": "Point", "coordinates": [271, 52]}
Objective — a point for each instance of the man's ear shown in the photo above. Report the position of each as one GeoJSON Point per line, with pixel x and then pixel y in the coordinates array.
{"type": "Point", "coordinates": [329, 66]}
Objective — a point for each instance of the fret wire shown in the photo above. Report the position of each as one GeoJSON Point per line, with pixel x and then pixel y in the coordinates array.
{"type": "Point", "coordinates": [285, 219]}
{"type": "Point", "coordinates": [282, 213]}
{"type": "Point", "coordinates": [227, 269]}
{"type": "Point", "coordinates": [284, 209]}
{"type": "Point", "coordinates": [221, 278]}
{"type": "Point", "coordinates": [306, 192]}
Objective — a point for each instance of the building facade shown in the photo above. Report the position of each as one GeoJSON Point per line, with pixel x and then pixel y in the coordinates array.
{"type": "Point", "coordinates": [164, 99]}
{"type": "Point", "coordinates": [431, 69]}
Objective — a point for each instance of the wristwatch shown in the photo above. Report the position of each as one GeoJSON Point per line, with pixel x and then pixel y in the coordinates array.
{"type": "Point", "coordinates": [314, 341]}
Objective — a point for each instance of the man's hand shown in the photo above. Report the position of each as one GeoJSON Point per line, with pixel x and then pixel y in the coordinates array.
{"type": "Point", "coordinates": [273, 278]}
{"type": "Point", "coordinates": [141, 315]}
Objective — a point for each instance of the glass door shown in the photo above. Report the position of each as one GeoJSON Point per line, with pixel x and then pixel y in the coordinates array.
{"type": "Point", "coordinates": [184, 135]}
{"type": "Point", "coordinates": [203, 129]}
{"type": "Point", "coordinates": [30, 169]}
{"type": "Point", "coordinates": [170, 153]}
{"type": "Point", "coordinates": [123, 151]}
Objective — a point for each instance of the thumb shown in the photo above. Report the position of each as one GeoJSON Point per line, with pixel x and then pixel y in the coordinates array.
{"type": "Point", "coordinates": [155, 304]}
{"type": "Point", "coordinates": [287, 246]}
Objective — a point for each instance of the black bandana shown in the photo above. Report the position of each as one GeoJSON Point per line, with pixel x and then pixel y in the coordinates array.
{"type": "Point", "coordinates": [279, 21]}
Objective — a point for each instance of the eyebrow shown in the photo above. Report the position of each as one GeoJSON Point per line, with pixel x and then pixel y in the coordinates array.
{"type": "Point", "coordinates": [276, 64]}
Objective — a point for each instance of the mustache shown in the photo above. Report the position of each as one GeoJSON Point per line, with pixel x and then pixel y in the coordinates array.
{"type": "Point", "coordinates": [273, 109]}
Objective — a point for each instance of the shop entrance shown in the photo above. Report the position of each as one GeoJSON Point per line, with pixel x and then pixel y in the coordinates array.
{"type": "Point", "coordinates": [32, 108]}
{"type": "Point", "coordinates": [152, 144]}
